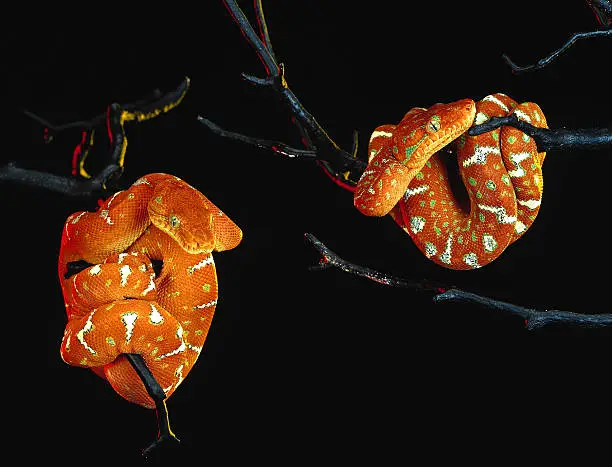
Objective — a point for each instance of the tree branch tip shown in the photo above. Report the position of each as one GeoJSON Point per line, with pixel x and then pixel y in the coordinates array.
{"type": "Point", "coordinates": [256, 80]}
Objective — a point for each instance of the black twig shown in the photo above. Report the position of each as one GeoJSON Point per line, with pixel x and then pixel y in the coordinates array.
{"type": "Point", "coordinates": [81, 184]}
{"type": "Point", "coordinates": [156, 392]}
{"type": "Point", "coordinates": [534, 319]}
{"type": "Point", "coordinates": [548, 140]}
{"type": "Point", "coordinates": [545, 61]}
{"type": "Point", "coordinates": [336, 162]}
{"type": "Point", "coordinates": [276, 146]}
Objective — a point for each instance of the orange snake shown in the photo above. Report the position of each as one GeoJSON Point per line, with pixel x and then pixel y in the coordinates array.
{"type": "Point", "coordinates": [119, 305]}
{"type": "Point", "coordinates": [501, 170]}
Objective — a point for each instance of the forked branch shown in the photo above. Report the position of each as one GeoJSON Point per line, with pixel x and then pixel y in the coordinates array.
{"type": "Point", "coordinates": [336, 162]}
{"type": "Point", "coordinates": [533, 318]}
{"type": "Point", "coordinates": [81, 183]}
{"type": "Point", "coordinates": [603, 12]}
{"type": "Point", "coordinates": [345, 168]}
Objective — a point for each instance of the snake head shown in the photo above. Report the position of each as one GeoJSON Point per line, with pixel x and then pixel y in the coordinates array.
{"type": "Point", "coordinates": [398, 153]}
{"type": "Point", "coordinates": [191, 219]}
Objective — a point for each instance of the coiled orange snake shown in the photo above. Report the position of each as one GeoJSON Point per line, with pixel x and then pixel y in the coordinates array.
{"type": "Point", "coordinates": [120, 305]}
{"type": "Point", "coordinates": [501, 171]}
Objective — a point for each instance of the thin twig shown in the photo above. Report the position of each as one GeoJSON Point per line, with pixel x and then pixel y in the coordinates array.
{"type": "Point", "coordinates": [335, 162]}
{"type": "Point", "coordinates": [545, 61]}
{"type": "Point", "coordinates": [534, 319]}
{"type": "Point", "coordinates": [115, 118]}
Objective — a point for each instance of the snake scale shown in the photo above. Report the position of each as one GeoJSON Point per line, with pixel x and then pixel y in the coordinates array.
{"type": "Point", "coordinates": [119, 303]}
{"type": "Point", "coordinates": [501, 170]}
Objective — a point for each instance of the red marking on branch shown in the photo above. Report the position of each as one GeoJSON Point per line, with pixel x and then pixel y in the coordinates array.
{"type": "Point", "coordinates": [78, 150]}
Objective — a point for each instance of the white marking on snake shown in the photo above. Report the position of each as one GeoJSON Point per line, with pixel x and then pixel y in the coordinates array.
{"type": "Point", "coordinates": [530, 203]}
{"type": "Point", "coordinates": [206, 305]}
{"type": "Point", "coordinates": [179, 349]}
{"type": "Point", "coordinates": [95, 270]}
{"type": "Point", "coordinates": [445, 257]}
{"type": "Point", "coordinates": [72, 221]}
{"type": "Point", "coordinates": [77, 218]}
{"type": "Point", "coordinates": [141, 181]}
{"type": "Point", "coordinates": [495, 100]}
{"type": "Point", "coordinates": [128, 319]}
{"type": "Point", "coordinates": [104, 215]}
{"type": "Point", "coordinates": [88, 327]}
{"type": "Point", "coordinates": [379, 133]}
{"type": "Point", "coordinates": [205, 262]}
{"type": "Point", "coordinates": [195, 348]}
{"type": "Point", "coordinates": [155, 316]}
{"type": "Point", "coordinates": [480, 118]}
{"type": "Point", "coordinates": [416, 224]}
{"type": "Point", "coordinates": [500, 213]}
{"type": "Point", "coordinates": [522, 115]}
{"type": "Point", "coordinates": [516, 159]}
{"type": "Point", "coordinates": [151, 285]}
{"type": "Point", "coordinates": [124, 272]}
{"type": "Point", "coordinates": [471, 259]}
{"type": "Point", "coordinates": [110, 200]}
{"type": "Point", "coordinates": [480, 155]}
{"type": "Point", "coordinates": [415, 191]}
{"type": "Point", "coordinates": [430, 249]}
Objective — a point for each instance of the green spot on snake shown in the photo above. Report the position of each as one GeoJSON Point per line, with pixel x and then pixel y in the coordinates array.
{"type": "Point", "coordinates": [471, 181]}
{"type": "Point", "coordinates": [432, 203]}
{"type": "Point", "coordinates": [511, 139]}
{"type": "Point", "coordinates": [419, 176]}
{"type": "Point", "coordinates": [481, 217]}
{"type": "Point", "coordinates": [491, 185]}
{"type": "Point", "coordinates": [526, 137]}
{"type": "Point", "coordinates": [410, 149]}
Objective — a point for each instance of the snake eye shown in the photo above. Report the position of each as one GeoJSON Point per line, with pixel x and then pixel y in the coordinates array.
{"type": "Point", "coordinates": [433, 124]}
{"type": "Point", "coordinates": [174, 221]}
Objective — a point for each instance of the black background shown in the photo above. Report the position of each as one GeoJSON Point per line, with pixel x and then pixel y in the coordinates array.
{"type": "Point", "coordinates": [316, 366]}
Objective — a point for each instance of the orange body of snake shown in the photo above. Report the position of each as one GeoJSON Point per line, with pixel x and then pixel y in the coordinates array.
{"type": "Point", "coordinates": [501, 170]}
{"type": "Point", "coordinates": [120, 305]}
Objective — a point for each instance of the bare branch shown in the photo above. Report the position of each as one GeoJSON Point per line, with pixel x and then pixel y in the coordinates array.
{"type": "Point", "coordinates": [115, 118]}
{"type": "Point", "coordinates": [534, 319]}
{"type": "Point", "coordinates": [336, 162]}
{"type": "Point", "coordinates": [554, 55]}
